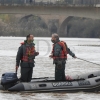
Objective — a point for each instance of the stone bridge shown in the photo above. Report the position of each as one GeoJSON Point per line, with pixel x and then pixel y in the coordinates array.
{"type": "Point", "coordinates": [58, 15]}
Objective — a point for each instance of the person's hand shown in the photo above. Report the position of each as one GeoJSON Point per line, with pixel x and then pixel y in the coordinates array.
{"type": "Point", "coordinates": [51, 56]}
{"type": "Point", "coordinates": [74, 57]}
{"type": "Point", "coordinates": [36, 53]}
{"type": "Point", "coordinates": [16, 68]}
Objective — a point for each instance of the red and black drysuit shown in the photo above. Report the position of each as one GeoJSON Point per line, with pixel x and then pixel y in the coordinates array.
{"type": "Point", "coordinates": [59, 52]}
{"type": "Point", "coordinates": [25, 57]}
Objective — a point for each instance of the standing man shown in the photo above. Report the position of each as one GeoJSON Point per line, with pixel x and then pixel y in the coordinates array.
{"type": "Point", "coordinates": [25, 57]}
{"type": "Point", "coordinates": [59, 55]}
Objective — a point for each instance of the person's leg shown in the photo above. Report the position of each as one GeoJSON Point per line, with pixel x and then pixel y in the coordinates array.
{"type": "Point", "coordinates": [60, 72]}
{"type": "Point", "coordinates": [30, 74]}
{"type": "Point", "coordinates": [31, 65]}
{"type": "Point", "coordinates": [56, 72]}
{"type": "Point", "coordinates": [63, 72]}
{"type": "Point", "coordinates": [24, 71]}
{"type": "Point", "coordinates": [24, 74]}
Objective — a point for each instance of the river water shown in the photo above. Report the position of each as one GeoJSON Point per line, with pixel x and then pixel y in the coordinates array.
{"type": "Point", "coordinates": [88, 49]}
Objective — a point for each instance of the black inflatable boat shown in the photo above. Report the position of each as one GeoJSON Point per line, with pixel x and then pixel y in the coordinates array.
{"type": "Point", "coordinates": [89, 82]}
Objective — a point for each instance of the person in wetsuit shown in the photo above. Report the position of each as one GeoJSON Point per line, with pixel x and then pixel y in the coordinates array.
{"type": "Point", "coordinates": [25, 58]}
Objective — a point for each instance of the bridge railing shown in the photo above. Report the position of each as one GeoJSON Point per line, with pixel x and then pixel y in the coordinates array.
{"type": "Point", "coordinates": [51, 2]}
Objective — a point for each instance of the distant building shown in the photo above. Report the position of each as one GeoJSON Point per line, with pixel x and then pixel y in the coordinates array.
{"type": "Point", "coordinates": [53, 1]}
{"type": "Point", "coordinates": [86, 2]}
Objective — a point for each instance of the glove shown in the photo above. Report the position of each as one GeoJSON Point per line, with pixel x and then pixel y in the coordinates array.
{"type": "Point", "coordinates": [36, 53]}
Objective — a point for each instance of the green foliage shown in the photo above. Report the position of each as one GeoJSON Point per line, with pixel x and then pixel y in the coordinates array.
{"type": "Point", "coordinates": [7, 18]}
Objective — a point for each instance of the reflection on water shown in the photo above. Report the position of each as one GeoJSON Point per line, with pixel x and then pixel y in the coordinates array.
{"type": "Point", "coordinates": [44, 66]}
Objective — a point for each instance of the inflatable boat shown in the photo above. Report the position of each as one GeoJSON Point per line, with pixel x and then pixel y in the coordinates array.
{"type": "Point", "coordinates": [89, 82]}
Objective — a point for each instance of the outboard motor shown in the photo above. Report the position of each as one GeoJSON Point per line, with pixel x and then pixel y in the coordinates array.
{"type": "Point", "coordinates": [8, 80]}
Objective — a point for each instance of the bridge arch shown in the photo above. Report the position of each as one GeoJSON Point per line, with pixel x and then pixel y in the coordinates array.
{"type": "Point", "coordinates": [63, 27]}
{"type": "Point", "coordinates": [35, 24]}
{"type": "Point", "coordinates": [79, 27]}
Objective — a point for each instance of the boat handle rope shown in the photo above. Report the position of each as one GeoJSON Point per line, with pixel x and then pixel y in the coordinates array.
{"type": "Point", "coordinates": [88, 61]}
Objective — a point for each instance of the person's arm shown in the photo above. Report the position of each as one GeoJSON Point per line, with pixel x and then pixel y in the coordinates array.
{"type": "Point", "coordinates": [35, 52]}
{"type": "Point", "coordinates": [71, 53]}
{"type": "Point", "coordinates": [19, 56]}
{"type": "Point", "coordinates": [51, 55]}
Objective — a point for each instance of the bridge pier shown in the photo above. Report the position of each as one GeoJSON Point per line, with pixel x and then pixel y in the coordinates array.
{"type": "Point", "coordinates": [54, 23]}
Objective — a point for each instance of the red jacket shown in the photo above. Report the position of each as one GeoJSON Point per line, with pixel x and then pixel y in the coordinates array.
{"type": "Point", "coordinates": [28, 52]}
{"type": "Point", "coordinates": [61, 49]}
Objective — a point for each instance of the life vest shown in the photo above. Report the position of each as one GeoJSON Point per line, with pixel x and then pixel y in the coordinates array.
{"type": "Point", "coordinates": [28, 52]}
{"type": "Point", "coordinates": [59, 50]}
